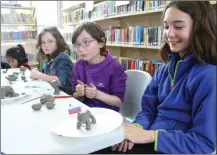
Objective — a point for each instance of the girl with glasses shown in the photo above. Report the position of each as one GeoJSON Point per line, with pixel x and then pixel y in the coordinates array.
{"type": "Point", "coordinates": [98, 79]}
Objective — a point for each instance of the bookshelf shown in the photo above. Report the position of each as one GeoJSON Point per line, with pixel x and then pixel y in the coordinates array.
{"type": "Point", "coordinates": [136, 13]}
{"type": "Point", "coordinates": [19, 26]}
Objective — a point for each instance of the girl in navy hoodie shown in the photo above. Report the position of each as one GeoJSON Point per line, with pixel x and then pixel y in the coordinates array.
{"type": "Point", "coordinates": [179, 106]}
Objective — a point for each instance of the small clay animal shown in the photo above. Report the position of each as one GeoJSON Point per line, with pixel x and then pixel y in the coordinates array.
{"type": "Point", "coordinates": [37, 106]}
{"type": "Point", "coordinates": [22, 68]}
{"type": "Point", "coordinates": [55, 85]}
{"type": "Point", "coordinates": [8, 91]}
{"type": "Point", "coordinates": [24, 78]}
{"type": "Point", "coordinates": [84, 118]}
{"type": "Point", "coordinates": [50, 105]}
{"type": "Point", "coordinates": [46, 98]}
{"type": "Point", "coordinates": [12, 77]}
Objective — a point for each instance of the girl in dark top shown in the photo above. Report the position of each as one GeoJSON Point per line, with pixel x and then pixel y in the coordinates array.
{"type": "Point", "coordinates": [17, 57]}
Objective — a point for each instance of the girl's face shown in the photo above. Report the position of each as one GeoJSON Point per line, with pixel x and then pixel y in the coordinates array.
{"type": "Point", "coordinates": [88, 48]}
{"type": "Point", "coordinates": [48, 43]}
{"type": "Point", "coordinates": [177, 30]}
{"type": "Point", "coordinates": [13, 62]}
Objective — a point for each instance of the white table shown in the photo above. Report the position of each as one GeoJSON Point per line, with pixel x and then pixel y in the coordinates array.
{"type": "Point", "coordinates": [26, 132]}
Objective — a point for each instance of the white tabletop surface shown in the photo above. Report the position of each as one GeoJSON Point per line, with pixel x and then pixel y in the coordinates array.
{"type": "Point", "coordinates": [24, 131]}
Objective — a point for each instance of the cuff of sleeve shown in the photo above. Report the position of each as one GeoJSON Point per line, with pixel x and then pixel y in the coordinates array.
{"type": "Point", "coordinates": [156, 139]}
{"type": "Point", "coordinates": [138, 125]}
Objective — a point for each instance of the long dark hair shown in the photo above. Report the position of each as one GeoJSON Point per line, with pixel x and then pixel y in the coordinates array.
{"type": "Point", "coordinates": [62, 46]}
{"type": "Point", "coordinates": [17, 52]}
{"type": "Point", "coordinates": [203, 37]}
{"type": "Point", "coordinates": [95, 32]}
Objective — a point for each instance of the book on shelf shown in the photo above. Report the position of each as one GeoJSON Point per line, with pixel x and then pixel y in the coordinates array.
{"type": "Point", "coordinates": [138, 35]}
{"type": "Point", "coordinates": [11, 4]}
{"type": "Point", "coordinates": [18, 35]}
{"type": "Point", "coordinates": [21, 18]}
{"type": "Point", "coordinates": [149, 66]}
{"type": "Point", "coordinates": [108, 9]}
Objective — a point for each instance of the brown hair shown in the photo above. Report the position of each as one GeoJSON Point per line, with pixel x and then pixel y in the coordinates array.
{"type": "Point", "coordinates": [61, 44]}
{"type": "Point", "coordinates": [95, 32]}
{"type": "Point", "coordinates": [203, 37]}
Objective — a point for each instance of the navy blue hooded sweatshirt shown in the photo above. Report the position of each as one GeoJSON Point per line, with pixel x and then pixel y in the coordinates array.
{"type": "Point", "coordinates": [180, 104]}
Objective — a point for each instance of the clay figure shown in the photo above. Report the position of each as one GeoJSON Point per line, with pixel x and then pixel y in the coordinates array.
{"type": "Point", "coordinates": [12, 77]}
{"type": "Point", "coordinates": [84, 118]}
{"type": "Point", "coordinates": [24, 78]}
{"type": "Point", "coordinates": [22, 68]}
{"type": "Point", "coordinates": [50, 105]}
{"type": "Point", "coordinates": [37, 106]}
{"type": "Point", "coordinates": [47, 98]}
{"type": "Point", "coordinates": [55, 85]}
{"type": "Point", "coordinates": [16, 73]}
{"type": "Point", "coordinates": [8, 91]}
{"type": "Point", "coordinates": [5, 71]}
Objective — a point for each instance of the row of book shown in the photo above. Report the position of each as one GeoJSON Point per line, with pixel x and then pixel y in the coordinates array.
{"type": "Point", "coordinates": [18, 35]}
{"type": "Point", "coordinates": [109, 8]}
{"type": "Point", "coordinates": [138, 35]}
{"type": "Point", "coordinates": [11, 4]}
{"type": "Point", "coordinates": [8, 18]}
{"type": "Point", "coordinates": [149, 66]}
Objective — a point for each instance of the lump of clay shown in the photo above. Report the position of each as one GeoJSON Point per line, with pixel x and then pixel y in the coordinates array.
{"type": "Point", "coordinates": [84, 118]}
{"type": "Point", "coordinates": [8, 91]}
{"type": "Point", "coordinates": [5, 71]}
{"type": "Point", "coordinates": [50, 105]}
{"type": "Point", "coordinates": [22, 68]}
{"type": "Point", "coordinates": [37, 106]}
{"type": "Point", "coordinates": [55, 85]}
{"type": "Point", "coordinates": [12, 77]}
{"type": "Point", "coordinates": [24, 78]}
{"type": "Point", "coordinates": [15, 73]}
{"type": "Point", "coordinates": [46, 98]}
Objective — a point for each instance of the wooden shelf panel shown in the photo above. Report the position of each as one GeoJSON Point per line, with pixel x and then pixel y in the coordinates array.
{"type": "Point", "coordinates": [133, 46]}
{"type": "Point", "coordinates": [22, 7]}
{"type": "Point", "coordinates": [18, 24]}
{"type": "Point", "coordinates": [11, 42]}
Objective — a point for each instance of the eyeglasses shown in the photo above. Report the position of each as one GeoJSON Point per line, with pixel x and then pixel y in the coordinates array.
{"type": "Point", "coordinates": [84, 44]}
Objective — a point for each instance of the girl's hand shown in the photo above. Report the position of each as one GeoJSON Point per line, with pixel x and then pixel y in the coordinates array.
{"type": "Point", "coordinates": [123, 146]}
{"type": "Point", "coordinates": [36, 74]}
{"type": "Point", "coordinates": [138, 135]}
{"type": "Point", "coordinates": [91, 91]}
{"type": "Point", "coordinates": [80, 88]}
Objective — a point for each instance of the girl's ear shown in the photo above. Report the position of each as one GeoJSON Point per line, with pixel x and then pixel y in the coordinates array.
{"type": "Point", "coordinates": [101, 44]}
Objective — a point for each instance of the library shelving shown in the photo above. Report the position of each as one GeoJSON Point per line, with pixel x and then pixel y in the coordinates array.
{"type": "Point", "coordinates": [19, 26]}
{"type": "Point", "coordinates": [132, 30]}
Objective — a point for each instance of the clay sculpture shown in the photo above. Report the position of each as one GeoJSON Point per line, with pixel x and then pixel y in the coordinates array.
{"type": "Point", "coordinates": [37, 106]}
{"type": "Point", "coordinates": [84, 118]}
{"type": "Point", "coordinates": [55, 85]}
{"type": "Point", "coordinates": [12, 77]}
{"type": "Point", "coordinates": [8, 91]}
{"type": "Point", "coordinates": [15, 73]}
{"type": "Point", "coordinates": [50, 105]}
{"type": "Point", "coordinates": [24, 78]}
{"type": "Point", "coordinates": [5, 71]}
{"type": "Point", "coordinates": [22, 68]}
{"type": "Point", "coordinates": [47, 98]}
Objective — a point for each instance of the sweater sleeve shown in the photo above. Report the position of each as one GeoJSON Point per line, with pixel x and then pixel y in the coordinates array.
{"type": "Point", "coordinates": [150, 103]}
{"type": "Point", "coordinates": [201, 138]}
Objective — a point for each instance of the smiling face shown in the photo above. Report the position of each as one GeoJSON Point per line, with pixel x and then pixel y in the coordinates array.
{"type": "Point", "coordinates": [177, 30]}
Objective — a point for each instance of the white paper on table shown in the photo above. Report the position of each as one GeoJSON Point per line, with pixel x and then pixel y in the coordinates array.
{"type": "Point", "coordinates": [89, 6]}
{"type": "Point", "coordinates": [119, 3]}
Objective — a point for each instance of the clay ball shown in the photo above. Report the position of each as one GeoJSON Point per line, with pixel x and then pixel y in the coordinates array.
{"type": "Point", "coordinates": [37, 106]}
{"type": "Point", "coordinates": [50, 105]}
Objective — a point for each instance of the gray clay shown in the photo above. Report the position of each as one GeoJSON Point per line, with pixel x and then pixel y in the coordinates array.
{"type": "Point", "coordinates": [6, 70]}
{"type": "Point", "coordinates": [47, 98]}
{"type": "Point", "coordinates": [11, 77]}
{"type": "Point", "coordinates": [22, 68]}
{"type": "Point", "coordinates": [24, 78]}
{"type": "Point", "coordinates": [8, 91]}
{"type": "Point", "coordinates": [16, 73]}
{"type": "Point", "coordinates": [84, 118]}
{"type": "Point", "coordinates": [50, 105]}
{"type": "Point", "coordinates": [55, 85]}
{"type": "Point", "coordinates": [37, 106]}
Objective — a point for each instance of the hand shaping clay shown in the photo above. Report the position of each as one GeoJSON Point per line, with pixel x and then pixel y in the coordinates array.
{"type": "Point", "coordinates": [37, 106]}
{"type": "Point", "coordinates": [50, 105]}
{"type": "Point", "coordinates": [84, 118]}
